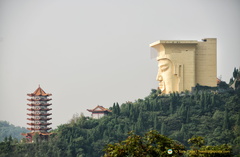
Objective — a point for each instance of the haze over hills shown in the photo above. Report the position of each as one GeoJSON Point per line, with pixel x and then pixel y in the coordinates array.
{"type": "Point", "coordinates": [7, 129]}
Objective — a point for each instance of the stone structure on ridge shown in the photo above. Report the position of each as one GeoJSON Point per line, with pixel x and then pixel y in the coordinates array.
{"type": "Point", "coordinates": [184, 63]}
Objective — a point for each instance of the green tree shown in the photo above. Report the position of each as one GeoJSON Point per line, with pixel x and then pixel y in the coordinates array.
{"type": "Point", "coordinates": [163, 129]}
{"type": "Point", "coordinates": [152, 144]}
{"type": "Point", "coordinates": [171, 108]}
{"type": "Point", "coordinates": [117, 109]}
{"type": "Point", "coordinates": [196, 141]}
{"type": "Point", "coordinates": [226, 120]}
{"type": "Point", "coordinates": [140, 123]}
{"type": "Point", "coordinates": [114, 109]}
{"type": "Point", "coordinates": [198, 149]}
{"type": "Point", "coordinates": [155, 122]}
{"type": "Point", "coordinates": [235, 73]}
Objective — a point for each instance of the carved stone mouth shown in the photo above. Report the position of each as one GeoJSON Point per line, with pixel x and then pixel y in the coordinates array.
{"type": "Point", "coordinates": [162, 86]}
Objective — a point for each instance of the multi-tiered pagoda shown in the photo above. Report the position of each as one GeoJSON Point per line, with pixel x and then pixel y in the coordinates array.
{"type": "Point", "coordinates": [39, 115]}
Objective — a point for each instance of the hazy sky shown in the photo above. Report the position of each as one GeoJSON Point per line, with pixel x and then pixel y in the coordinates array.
{"type": "Point", "coordinates": [96, 52]}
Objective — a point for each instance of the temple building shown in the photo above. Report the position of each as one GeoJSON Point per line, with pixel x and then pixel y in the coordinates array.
{"type": "Point", "coordinates": [98, 112]}
{"type": "Point", "coordinates": [38, 115]}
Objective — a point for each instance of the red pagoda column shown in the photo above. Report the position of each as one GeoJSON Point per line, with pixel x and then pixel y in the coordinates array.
{"type": "Point", "coordinates": [38, 114]}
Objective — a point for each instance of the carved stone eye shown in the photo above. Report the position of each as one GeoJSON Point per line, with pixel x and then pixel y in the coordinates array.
{"type": "Point", "coordinates": [164, 67]}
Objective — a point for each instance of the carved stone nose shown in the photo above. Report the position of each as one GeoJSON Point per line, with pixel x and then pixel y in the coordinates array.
{"type": "Point", "coordinates": [159, 78]}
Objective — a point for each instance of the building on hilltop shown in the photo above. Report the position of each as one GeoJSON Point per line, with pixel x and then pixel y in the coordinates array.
{"type": "Point", "coordinates": [98, 112]}
{"type": "Point", "coordinates": [38, 115]}
{"type": "Point", "coordinates": [182, 64]}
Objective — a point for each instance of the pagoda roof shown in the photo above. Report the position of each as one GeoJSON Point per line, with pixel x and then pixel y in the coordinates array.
{"type": "Point", "coordinates": [39, 129]}
{"type": "Point", "coordinates": [99, 109]}
{"type": "Point", "coordinates": [39, 92]}
{"type": "Point", "coordinates": [45, 104]}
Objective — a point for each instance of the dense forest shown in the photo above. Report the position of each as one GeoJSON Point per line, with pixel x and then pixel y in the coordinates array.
{"type": "Point", "coordinates": [212, 113]}
{"type": "Point", "coordinates": [7, 130]}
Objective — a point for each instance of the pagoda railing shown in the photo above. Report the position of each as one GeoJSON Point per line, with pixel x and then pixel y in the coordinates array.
{"type": "Point", "coordinates": [39, 124]}
{"type": "Point", "coordinates": [32, 99]}
{"type": "Point", "coordinates": [33, 119]}
{"type": "Point", "coordinates": [39, 114]}
{"type": "Point", "coordinates": [40, 109]}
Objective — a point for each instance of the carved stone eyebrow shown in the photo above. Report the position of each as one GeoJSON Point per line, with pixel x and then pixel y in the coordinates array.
{"type": "Point", "coordinates": [163, 64]}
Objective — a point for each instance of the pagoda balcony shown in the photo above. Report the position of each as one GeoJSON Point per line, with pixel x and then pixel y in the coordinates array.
{"type": "Point", "coordinates": [39, 128]}
{"type": "Point", "coordinates": [41, 104]}
{"type": "Point", "coordinates": [34, 119]}
{"type": "Point", "coordinates": [39, 114]}
{"type": "Point", "coordinates": [41, 99]}
{"type": "Point", "coordinates": [41, 109]}
{"type": "Point", "coordinates": [35, 124]}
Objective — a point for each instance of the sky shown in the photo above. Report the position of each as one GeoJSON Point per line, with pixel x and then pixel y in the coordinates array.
{"type": "Point", "coordinates": [89, 53]}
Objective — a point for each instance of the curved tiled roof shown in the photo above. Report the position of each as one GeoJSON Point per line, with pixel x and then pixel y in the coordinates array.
{"type": "Point", "coordinates": [39, 92]}
{"type": "Point", "coordinates": [99, 108]}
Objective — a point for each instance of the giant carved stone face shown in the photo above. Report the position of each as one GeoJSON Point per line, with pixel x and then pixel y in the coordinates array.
{"type": "Point", "coordinates": [165, 76]}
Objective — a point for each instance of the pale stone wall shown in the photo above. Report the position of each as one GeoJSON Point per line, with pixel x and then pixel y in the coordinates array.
{"type": "Point", "coordinates": [184, 63]}
{"type": "Point", "coordinates": [206, 62]}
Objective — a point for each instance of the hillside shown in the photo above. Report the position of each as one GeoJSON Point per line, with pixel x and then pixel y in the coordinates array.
{"type": "Point", "coordinates": [214, 116]}
{"type": "Point", "coordinates": [213, 113]}
{"type": "Point", "coordinates": [7, 130]}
